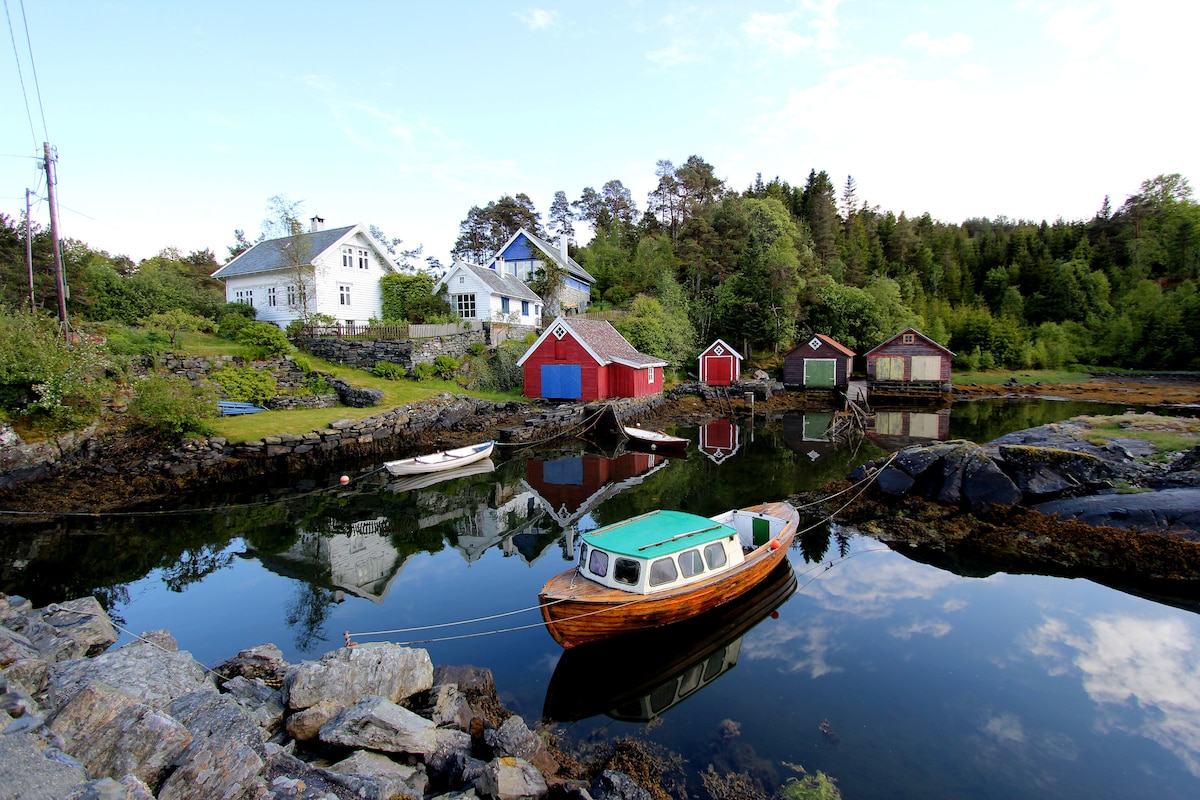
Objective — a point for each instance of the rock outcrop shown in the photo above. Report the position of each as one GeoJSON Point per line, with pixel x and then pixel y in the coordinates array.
{"type": "Point", "coordinates": [145, 720]}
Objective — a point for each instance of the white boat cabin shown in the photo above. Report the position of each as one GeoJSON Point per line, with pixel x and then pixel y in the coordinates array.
{"type": "Point", "coordinates": [668, 549]}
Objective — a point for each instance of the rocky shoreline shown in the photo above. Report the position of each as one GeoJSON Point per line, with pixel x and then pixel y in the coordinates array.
{"type": "Point", "coordinates": [364, 722]}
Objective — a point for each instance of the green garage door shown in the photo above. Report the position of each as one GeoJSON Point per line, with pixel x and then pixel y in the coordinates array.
{"type": "Point", "coordinates": [819, 372]}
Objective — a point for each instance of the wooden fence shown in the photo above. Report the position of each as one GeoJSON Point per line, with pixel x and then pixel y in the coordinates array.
{"type": "Point", "coordinates": [387, 332]}
{"type": "Point", "coordinates": [604, 316]}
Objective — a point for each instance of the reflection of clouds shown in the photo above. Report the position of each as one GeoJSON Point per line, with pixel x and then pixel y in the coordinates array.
{"type": "Point", "coordinates": [954, 604]}
{"type": "Point", "coordinates": [1004, 727]}
{"type": "Point", "coordinates": [930, 627]}
{"type": "Point", "coordinates": [1005, 745]}
{"type": "Point", "coordinates": [1145, 675]}
{"type": "Point", "coordinates": [800, 649]}
{"type": "Point", "coordinates": [870, 586]}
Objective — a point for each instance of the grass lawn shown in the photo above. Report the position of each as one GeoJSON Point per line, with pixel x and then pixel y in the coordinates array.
{"type": "Point", "coordinates": [1049, 377]}
{"type": "Point", "coordinates": [1167, 434]}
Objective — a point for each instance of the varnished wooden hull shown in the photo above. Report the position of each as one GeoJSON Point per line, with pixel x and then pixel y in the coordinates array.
{"type": "Point", "coordinates": [577, 610]}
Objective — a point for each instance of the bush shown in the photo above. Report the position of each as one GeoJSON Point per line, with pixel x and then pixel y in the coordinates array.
{"type": "Point", "coordinates": [170, 406]}
{"type": "Point", "coordinates": [478, 348]}
{"type": "Point", "coordinates": [316, 383]}
{"type": "Point", "coordinates": [245, 384]}
{"type": "Point", "coordinates": [445, 367]}
{"type": "Point", "coordinates": [389, 371]}
{"type": "Point", "coordinates": [424, 372]}
{"type": "Point", "coordinates": [123, 341]}
{"type": "Point", "coordinates": [230, 325]}
{"type": "Point", "coordinates": [500, 372]}
{"type": "Point", "coordinates": [264, 340]}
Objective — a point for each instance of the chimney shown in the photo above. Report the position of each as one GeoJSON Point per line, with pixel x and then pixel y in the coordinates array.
{"type": "Point", "coordinates": [562, 246]}
{"type": "Point", "coordinates": [318, 224]}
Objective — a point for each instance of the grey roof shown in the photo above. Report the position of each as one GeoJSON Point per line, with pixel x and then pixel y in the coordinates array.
{"type": "Point", "coordinates": [274, 253]}
{"type": "Point", "coordinates": [570, 265]}
{"type": "Point", "coordinates": [501, 284]}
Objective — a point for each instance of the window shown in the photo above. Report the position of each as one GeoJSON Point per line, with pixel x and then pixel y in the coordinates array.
{"type": "Point", "coordinates": [246, 296]}
{"type": "Point", "coordinates": [364, 259]}
{"type": "Point", "coordinates": [626, 570]}
{"type": "Point", "coordinates": [598, 563]}
{"type": "Point", "coordinates": [714, 554]}
{"type": "Point", "coordinates": [690, 563]}
{"type": "Point", "coordinates": [291, 296]}
{"type": "Point", "coordinates": [271, 295]}
{"type": "Point", "coordinates": [908, 338]}
{"type": "Point", "coordinates": [464, 304]}
{"type": "Point", "coordinates": [524, 308]}
{"type": "Point", "coordinates": [650, 374]}
{"type": "Point", "coordinates": [663, 571]}
{"type": "Point", "coordinates": [503, 305]}
{"type": "Point", "coordinates": [343, 294]}
{"type": "Point", "coordinates": [583, 548]}
{"type": "Point", "coordinates": [347, 256]}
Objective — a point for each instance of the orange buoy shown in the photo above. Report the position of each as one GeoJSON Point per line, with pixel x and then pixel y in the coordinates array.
{"type": "Point", "coordinates": [345, 479]}
{"type": "Point", "coordinates": [774, 544]}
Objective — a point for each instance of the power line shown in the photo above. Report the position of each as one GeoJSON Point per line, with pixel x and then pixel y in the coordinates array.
{"type": "Point", "coordinates": [33, 66]}
{"type": "Point", "coordinates": [17, 56]}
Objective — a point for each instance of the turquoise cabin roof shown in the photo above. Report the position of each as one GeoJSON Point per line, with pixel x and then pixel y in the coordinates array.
{"type": "Point", "coordinates": [657, 533]}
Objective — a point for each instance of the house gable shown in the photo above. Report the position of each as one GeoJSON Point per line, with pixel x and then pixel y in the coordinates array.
{"type": "Point", "coordinates": [899, 339]}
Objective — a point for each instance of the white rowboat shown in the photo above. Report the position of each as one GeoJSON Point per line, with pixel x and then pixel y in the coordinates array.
{"type": "Point", "coordinates": [441, 460]}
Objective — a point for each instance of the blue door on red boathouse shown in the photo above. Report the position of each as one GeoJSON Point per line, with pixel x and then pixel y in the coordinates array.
{"type": "Point", "coordinates": [562, 381]}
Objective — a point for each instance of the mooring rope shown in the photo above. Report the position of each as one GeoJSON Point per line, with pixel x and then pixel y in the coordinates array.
{"type": "Point", "coordinates": [585, 425]}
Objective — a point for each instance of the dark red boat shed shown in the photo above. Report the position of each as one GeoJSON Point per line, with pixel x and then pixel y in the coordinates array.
{"type": "Point", "coordinates": [819, 363]}
{"type": "Point", "coordinates": [910, 360]}
{"type": "Point", "coordinates": [579, 359]}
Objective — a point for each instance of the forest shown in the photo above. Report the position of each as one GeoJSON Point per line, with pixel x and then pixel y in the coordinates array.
{"type": "Point", "coordinates": [766, 266]}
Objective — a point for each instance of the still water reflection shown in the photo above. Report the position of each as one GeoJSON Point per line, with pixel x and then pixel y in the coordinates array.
{"type": "Point", "coordinates": [897, 678]}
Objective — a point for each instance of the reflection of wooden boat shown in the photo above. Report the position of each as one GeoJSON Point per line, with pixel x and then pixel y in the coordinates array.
{"type": "Point", "coordinates": [638, 677]}
{"type": "Point", "coordinates": [441, 460]}
{"type": "Point", "coordinates": [655, 440]}
{"type": "Point", "coordinates": [664, 567]}
{"type": "Point", "coordinates": [428, 479]}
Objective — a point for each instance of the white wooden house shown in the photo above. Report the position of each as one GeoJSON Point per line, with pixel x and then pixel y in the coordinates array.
{"type": "Point", "coordinates": [334, 272]}
{"type": "Point", "coordinates": [475, 292]}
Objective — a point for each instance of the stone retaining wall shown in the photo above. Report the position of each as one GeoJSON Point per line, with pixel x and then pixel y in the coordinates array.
{"type": "Point", "coordinates": [407, 353]}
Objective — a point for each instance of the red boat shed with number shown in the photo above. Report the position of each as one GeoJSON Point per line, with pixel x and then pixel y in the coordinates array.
{"type": "Point", "coordinates": [580, 359]}
{"type": "Point", "coordinates": [720, 364]}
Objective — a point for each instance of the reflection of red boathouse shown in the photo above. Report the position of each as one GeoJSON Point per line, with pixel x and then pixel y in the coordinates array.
{"type": "Point", "coordinates": [719, 439]}
{"type": "Point", "coordinates": [570, 487]}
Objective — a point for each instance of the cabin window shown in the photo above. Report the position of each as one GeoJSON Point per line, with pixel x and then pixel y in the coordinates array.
{"type": "Point", "coordinates": [583, 549]}
{"type": "Point", "coordinates": [347, 256]}
{"type": "Point", "coordinates": [504, 305]}
{"type": "Point", "coordinates": [598, 563]}
{"type": "Point", "coordinates": [524, 308]}
{"type": "Point", "coordinates": [343, 294]}
{"type": "Point", "coordinates": [626, 570]}
{"type": "Point", "coordinates": [650, 375]}
{"type": "Point", "coordinates": [690, 563]}
{"type": "Point", "coordinates": [291, 295]}
{"type": "Point", "coordinates": [270, 295]}
{"type": "Point", "coordinates": [663, 571]}
{"type": "Point", "coordinates": [464, 304]}
{"type": "Point", "coordinates": [908, 338]}
{"type": "Point", "coordinates": [363, 260]}
{"type": "Point", "coordinates": [714, 554]}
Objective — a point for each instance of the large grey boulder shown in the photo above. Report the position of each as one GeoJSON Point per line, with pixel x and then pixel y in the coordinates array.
{"type": "Point", "coordinates": [127, 788]}
{"type": "Point", "coordinates": [349, 674]}
{"type": "Point", "coordinates": [114, 735]}
{"type": "Point", "coordinates": [509, 778]}
{"type": "Point", "coordinates": [31, 771]}
{"type": "Point", "coordinates": [1046, 472]}
{"type": "Point", "coordinates": [376, 723]}
{"type": "Point", "coordinates": [1174, 511]}
{"type": "Point", "coordinates": [380, 776]}
{"type": "Point", "coordinates": [84, 622]}
{"type": "Point", "coordinates": [513, 738]}
{"type": "Point", "coordinates": [145, 671]}
{"type": "Point", "coordinates": [263, 703]}
{"type": "Point", "coordinates": [226, 756]}
{"type": "Point", "coordinates": [611, 785]}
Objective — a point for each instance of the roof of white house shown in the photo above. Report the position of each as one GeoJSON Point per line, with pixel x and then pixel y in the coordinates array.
{"type": "Point", "coordinates": [499, 283]}
{"type": "Point", "coordinates": [275, 254]}
{"type": "Point", "coordinates": [601, 341]}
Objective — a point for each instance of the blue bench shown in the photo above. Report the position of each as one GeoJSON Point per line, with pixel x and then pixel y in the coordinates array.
{"type": "Point", "coordinates": [228, 408]}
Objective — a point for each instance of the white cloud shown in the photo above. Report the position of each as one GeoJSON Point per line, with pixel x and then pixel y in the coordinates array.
{"type": "Point", "coordinates": [934, 628]}
{"type": "Point", "coordinates": [1143, 674]}
{"type": "Point", "coordinates": [538, 18]}
{"type": "Point", "coordinates": [778, 641]}
{"type": "Point", "coordinates": [818, 23]}
{"type": "Point", "coordinates": [956, 44]}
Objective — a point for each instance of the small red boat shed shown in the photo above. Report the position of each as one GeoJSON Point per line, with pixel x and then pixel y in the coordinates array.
{"type": "Point", "coordinates": [720, 364]}
{"type": "Point", "coordinates": [580, 359]}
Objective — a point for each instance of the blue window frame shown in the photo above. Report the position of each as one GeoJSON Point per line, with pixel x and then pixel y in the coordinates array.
{"type": "Point", "coordinates": [504, 305]}
{"type": "Point", "coordinates": [524, 308]}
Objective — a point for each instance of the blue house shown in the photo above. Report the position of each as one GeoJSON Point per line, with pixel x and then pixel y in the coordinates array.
{"type": "Point", "coordinates": [524, 254]}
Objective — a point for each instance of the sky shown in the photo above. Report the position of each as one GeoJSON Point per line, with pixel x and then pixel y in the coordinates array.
{"type": "Point", "coordinates": [175, 123]}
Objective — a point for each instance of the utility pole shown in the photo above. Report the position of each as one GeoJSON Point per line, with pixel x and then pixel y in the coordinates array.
{"type": "Point", "coordinates": [58, 267]}
{"type": "Point", "coordinates": [29, 247]}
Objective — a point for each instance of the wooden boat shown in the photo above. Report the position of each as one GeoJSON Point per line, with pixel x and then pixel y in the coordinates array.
{"type": "Point", "coordinates": [655, 440]}
{"type": "Point", "coordinates": [664, 567]}
{"type": "Point", "coordinates": [441, 460]}
{"type": "Point", "coordinates": [427, 479]}
{"type": "Point", "coordinates": [638, 677]}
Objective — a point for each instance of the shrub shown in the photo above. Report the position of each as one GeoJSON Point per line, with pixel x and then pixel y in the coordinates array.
{"type": "Point", "coordinates": [500, 371]}
{"type": "Point", "coordinates": [478, 348]}
{"type": "Point", "coordinates": [170, 406]}
{"type": "Point", "coordinates": [445, 366]}
{"type": "Point", "coordinates": [264, 340]}
{"type": "Point", "coordinates": [123, 341]}
{"type": "Point", "coordinates": [316, 383]}
{"type": "Point", "coordinates": [245, 384]}
{"type": "Point", "coordinates": [175, 321]}
{"type": "Point", "coordinates": [424, 372]}
{"type": "Point", "coordinates": [230, 325]}
{"type": "Point", "coordinates": [389, 371]}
